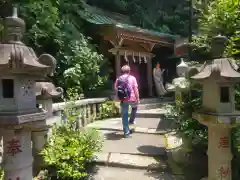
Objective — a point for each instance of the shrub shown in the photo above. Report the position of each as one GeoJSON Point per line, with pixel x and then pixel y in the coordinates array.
{"type": "Point", "coordinates": [108, 109]}
{"type": "Point", "coordinates": [182, 117]}
{"type": "Point", "coordinates": [70, 151]}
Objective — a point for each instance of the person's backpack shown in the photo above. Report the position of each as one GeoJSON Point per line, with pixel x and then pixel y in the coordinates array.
{"type": "Point", "coordinates": [123, 89]}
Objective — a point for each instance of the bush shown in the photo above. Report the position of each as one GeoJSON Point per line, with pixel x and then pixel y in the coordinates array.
{"type": "Point", "coordinates": [70, 151]}
{"type": "Point", "coordinates": [183, 121]}
{"type": "Point", "coordinates": [108, 109]}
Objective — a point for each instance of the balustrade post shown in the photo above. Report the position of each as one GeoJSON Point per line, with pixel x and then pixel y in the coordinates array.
{"type": "Point", "coordinates": [84, 115]}
{"type": "Point", "coordinates": [94, 111]}
{"type": "Point", "coordinates": [89, 116]}
{"type": "Point", "coordinates": [1, 146]}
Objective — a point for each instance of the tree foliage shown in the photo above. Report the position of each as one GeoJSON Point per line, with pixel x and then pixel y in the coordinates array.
{"type": "Point", "coordinates": [165, 16]}
{"type": "Point", "coordinates": [54, 27]}
{"type": "Point", "coordinates": [220, 17]}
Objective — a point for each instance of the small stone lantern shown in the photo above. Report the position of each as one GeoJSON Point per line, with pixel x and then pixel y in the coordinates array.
{"type": "Point", "coordinates": [180, 85]}
{"type": "Point", "coordinates": [19, 70]}
{"type": "Point", "coordinates": [218, 78]}
{"type": "Point", "coordinates": [45, 93]}
{"type": "Point", "coordinates": [182, 68]}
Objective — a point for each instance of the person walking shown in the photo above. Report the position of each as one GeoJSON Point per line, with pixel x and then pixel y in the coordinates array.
{"type": "Point", "coordinates": [127, 91]}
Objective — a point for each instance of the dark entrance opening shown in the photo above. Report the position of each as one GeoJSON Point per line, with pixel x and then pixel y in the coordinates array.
{"type": "Point", "coordinates": [139, 71]}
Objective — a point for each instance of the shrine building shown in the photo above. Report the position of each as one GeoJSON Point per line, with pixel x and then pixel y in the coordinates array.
{"type": "Point", "coordinates": [123, 43]}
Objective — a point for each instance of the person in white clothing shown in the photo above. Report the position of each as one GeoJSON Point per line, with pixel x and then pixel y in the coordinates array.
{"type": "Point", "coordinates": [158, 79]}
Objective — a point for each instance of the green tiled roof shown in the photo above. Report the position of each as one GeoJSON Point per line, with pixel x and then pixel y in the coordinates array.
{"type": "Point", "coordinates": [101, 19]}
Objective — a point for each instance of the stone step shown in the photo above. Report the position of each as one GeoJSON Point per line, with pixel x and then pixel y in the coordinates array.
{"type": "Point", "coordinates": [149, 106]}
{"type": "Point", "coordinates": [143, 125]}
{"type": "Point", "coordinates": [138, 144]}
{"type": "Point", "coordinates": [132, 161]}
{"type": "Point", "coordinates": [151, 113]}
{"type": "Point", "coordinates": [113, 173]}
{"type": "Point", "coordinates": [156, 100]}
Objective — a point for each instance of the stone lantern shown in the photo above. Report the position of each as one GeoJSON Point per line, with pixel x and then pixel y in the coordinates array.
{"type": "Point", "coordinates": [180, 85]}
{"type": "Point", "coordinates": [19, 70]}
{"type": "Point", "coordinates": [218, 77]}
{"type": "Point", "coordinates": [182, 68]}
{"type": "Point", "coordinates": [45, 93]}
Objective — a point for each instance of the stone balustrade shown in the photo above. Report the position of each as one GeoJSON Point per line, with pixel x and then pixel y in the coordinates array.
{"type": "Point", "coordinates": [87, 111]}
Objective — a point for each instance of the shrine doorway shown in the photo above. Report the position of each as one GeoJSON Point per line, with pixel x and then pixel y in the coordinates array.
{"type": "Point", "coordinates": [139, 71]}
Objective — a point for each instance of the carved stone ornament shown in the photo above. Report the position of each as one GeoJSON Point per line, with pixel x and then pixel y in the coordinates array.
{"type": "Point", "coordinates": [47, 90]}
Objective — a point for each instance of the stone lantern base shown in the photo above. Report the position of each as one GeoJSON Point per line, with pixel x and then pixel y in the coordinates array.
{"type": "Point", "coordinates": [219, 144]}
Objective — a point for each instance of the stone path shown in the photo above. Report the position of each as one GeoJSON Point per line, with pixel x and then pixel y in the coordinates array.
{"type": "Point", "coordinates": [113, 173]}
{"type": "Point", "coordinates": [140, 157]}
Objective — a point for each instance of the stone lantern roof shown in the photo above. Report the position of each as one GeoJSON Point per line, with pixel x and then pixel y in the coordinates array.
{"type": "Point", "coordinates": [47, 90]}
{"type": "Point", "coordinates": [218, 66]}
{"type": "Point", "coordinates": [16, 57]}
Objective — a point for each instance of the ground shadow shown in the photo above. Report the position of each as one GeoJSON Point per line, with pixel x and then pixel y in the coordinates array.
{"type": "Point", "coordinates": [195, 168]}
{"type": "Point", "coordinates": [165, 124]}
{"type": "Point", "coordinates": [151, 150]}
{"type": "Point", "coordinates": [114, 136]}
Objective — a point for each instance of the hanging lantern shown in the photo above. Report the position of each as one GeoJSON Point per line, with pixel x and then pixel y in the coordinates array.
{"type": "Point", "coordinates": [134, 60]}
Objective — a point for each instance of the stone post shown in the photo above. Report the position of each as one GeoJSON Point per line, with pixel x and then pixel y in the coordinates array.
{"type": "Point", "coordinates": [17, 156]}
{"type": "Point", "coordinates": [39, 139]}
{"type": "Point", "coordinates": [219, 146]}
{"type": "Point", "coordinates": [219, 152]}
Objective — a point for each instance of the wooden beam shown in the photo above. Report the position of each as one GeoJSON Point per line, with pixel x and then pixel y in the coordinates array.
{"type": "Point", "coordinates": [129, 52]}
{"type": "Point", "coordinates": [116, 41]}
{"type": "Point", "coordinates": [146, 40]}
{"type": "Point", "coordinates": [148, 46]}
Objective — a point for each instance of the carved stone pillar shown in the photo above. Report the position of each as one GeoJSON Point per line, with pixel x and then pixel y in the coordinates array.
{"type": "Point", "coordinates": [17, 154]}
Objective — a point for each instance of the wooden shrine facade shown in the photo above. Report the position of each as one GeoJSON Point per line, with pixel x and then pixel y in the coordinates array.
{"type": "Point", "coordinates": [128, 44]}
{"type": "Point", "coordinates": [133, 46]}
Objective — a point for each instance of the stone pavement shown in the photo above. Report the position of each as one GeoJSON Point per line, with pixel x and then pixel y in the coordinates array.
{"type": "Point", "coordinates": [131, 158]}
{"type": "Point", "coordinates": [113, 173]}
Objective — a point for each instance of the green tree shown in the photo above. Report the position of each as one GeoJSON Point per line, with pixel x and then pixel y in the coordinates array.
{"type": "Point", "coordinates": [165, 16]}
{"type": "Point", "coordinates": [54, 26]}
{"type": "Point", "coordinates": [220, 17]}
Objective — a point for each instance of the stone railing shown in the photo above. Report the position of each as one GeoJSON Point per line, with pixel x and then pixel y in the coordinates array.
{"type": "Point", "coordinates": [87, 111]}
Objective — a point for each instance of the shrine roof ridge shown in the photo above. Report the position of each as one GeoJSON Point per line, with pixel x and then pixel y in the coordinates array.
{"type": "Point", "coordinates": [99, 16]}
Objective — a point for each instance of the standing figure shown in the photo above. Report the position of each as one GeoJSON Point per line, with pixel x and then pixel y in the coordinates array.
{"type": "Point", "coordinates": [127, 91]}
{"type": "Point", "coordinates": [158, 79]}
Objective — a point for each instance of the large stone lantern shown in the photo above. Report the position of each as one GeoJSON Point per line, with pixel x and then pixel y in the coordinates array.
{"type": "Point", "coordinates": [19, 70]}
{"type": "Point", "coordinates": [218, 77]}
